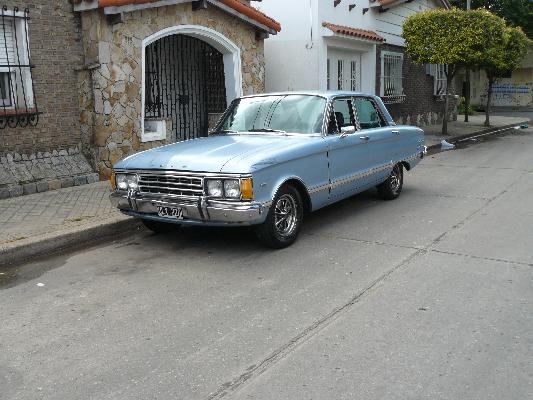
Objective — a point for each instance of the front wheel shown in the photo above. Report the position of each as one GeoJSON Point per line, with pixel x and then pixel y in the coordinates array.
{"type": "Point", "coordinates": [284, 219]}
{"type": "Point", "coordinates": [392, 187]}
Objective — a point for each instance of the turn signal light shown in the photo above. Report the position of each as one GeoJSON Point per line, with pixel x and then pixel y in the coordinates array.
{"type": "Point", "coordinates": [247, 190]}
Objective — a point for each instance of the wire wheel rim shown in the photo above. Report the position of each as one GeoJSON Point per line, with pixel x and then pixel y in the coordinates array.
{"type": "Point", "coordinates": [395, 179]}
{"type": "Point", "coordinates": [285, 215]}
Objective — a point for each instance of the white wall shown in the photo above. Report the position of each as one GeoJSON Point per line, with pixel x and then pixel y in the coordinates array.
{"type": "Point", "coordinates": [296, 58]}
{"type": "Point", "coordinates": [389, 24]}
{"type": "Point", "coordinates": [291, 55]}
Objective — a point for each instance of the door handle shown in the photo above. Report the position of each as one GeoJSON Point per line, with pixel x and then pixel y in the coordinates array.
{"type": "Point", "coordinates": [396, 132]}
{"type": "Point", "coordinates": [364, 137]}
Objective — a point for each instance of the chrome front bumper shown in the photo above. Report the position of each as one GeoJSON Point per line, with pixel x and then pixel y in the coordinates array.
{"type": "Point", "coordinates": [203, 211]}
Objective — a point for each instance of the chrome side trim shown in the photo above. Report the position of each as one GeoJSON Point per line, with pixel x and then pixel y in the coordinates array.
{"type": "Point", "coordinates": [361, 175]}
{"type": "Point", "coordinates": [319, 188]}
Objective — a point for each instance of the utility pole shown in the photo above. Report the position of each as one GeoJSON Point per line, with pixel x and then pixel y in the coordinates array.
{"type": "Point", "coordinates": [467, 83]}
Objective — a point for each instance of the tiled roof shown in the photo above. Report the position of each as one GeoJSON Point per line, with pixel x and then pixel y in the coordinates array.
{"type": "Point", "coordinates": [355, 32]}
{"type": "Point", "coordinates": [237, 5]}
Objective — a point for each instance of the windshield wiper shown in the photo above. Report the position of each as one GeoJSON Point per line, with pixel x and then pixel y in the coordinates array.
{"type": "Point", "coordinates": [266, 130]}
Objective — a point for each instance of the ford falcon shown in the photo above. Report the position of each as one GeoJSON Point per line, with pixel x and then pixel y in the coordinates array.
{"type": "Point", "coordinates": [271, 159]}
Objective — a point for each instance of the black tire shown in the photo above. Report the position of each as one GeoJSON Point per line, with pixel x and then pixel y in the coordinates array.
{"type": "Point", "coordinates": [392, 187]}
{"type": "Point", "coordinates": [284, 219]}
{"type": "Point", "coordinates": [158, 226]}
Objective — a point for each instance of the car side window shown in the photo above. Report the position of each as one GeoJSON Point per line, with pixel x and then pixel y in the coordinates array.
{"type": "Point", "coordinates": [341, 116]}
{"type": "Point", "coordinates": [368, 114]}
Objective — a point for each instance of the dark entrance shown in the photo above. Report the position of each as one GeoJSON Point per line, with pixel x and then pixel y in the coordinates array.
{"type": "Point", "coordinates": [185, 83]}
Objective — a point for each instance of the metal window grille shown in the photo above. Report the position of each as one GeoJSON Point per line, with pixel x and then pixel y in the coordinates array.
{"type": "Point", "coordinates": [340, 71]}
{"type": "Point", "coordinates": [392, 77]}
{"type": "Point", "coordinates": [354, 76]}
{"type": "Point", "coordinates": [184, 82]}
{"type": "Point", "coordinates": [438, 72]}
{"type": "Point", "coordinates": [440, 80]}
{"type": "Point", "coordinates": [18, 106]}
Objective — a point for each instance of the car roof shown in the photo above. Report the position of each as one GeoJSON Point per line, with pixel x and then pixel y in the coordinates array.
{"type": "Point", "coordinates": [321, 93]}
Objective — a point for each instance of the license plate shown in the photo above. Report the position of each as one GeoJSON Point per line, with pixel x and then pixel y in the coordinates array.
{"type": "Point", "coordinates": [170, 212]}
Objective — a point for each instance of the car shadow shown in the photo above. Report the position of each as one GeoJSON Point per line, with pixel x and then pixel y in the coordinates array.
{"type": "Point", "coordinates": [223, 238]}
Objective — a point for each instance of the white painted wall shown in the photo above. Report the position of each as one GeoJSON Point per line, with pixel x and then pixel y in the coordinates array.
{"type": "Point", "coordinates": [291, 55]}
{"type": "Point", "coordinates": [389, 24]}
{"type": "Point", "coordinates": [296, 58]}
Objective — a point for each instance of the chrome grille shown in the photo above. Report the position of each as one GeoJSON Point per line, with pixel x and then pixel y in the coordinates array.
{"type": "Point", "coordinates": [173, 185]}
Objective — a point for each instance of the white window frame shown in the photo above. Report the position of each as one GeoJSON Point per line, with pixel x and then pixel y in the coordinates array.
{"type": "Point", "coordinates": [20, 84]}
{"type": "Point", "coordinates": [437, 71]}
{"type": "Point", "coordinates": [396, 78]}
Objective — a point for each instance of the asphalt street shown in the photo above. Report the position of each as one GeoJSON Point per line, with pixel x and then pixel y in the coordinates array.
{"type": "Point", "coordinates": [429, 296]}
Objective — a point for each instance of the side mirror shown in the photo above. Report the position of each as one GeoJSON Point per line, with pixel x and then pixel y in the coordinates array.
{"type": "Point", "coordinates": [346, 130]}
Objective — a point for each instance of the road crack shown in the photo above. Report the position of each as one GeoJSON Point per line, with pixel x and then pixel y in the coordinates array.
{"type": "Point", "coordinates": [256, 370]}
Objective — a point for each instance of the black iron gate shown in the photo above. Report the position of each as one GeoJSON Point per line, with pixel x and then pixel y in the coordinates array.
{"type": "Point", "coordinates": [185, 83]}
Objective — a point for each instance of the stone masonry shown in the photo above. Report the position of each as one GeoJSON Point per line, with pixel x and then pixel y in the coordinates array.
{"type": "Point", "coordinates": [22, 174]}
{"type": "Point", "coordinates": [110, 95]}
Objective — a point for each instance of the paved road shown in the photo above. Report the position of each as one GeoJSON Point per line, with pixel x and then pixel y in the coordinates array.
{"type": "Point", "coordinates": [429, 296]}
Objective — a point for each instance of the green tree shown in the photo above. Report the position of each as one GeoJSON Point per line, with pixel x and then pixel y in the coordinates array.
{"type": "Point", "coordinates": [502, 55]}
{"type": "Point", "coordinates": [515, 12]}
{"type": "Point", "coordinates": [451, 37]}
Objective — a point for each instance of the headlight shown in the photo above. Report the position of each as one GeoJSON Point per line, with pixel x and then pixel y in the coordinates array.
{"type": "Point", "coordinates": [232, 189]}
{"type": "Point", "coordinates": [214, 188]}
{"type": "Point", "coordinates": [133, 181]}
{"type": "Point", "coordinates": [122, 182]}
{"type": "Point", "coordinates": [127, 181]}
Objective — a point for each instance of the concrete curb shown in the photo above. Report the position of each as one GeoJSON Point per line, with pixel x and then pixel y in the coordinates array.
{"type": "Point", "coordinates": [490, 131]}
{"type": "Point", "coordinates": [70, 238]}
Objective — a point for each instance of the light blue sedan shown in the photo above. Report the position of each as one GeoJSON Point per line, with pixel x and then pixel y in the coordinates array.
{"type": "Point", "coordinates": [270, 159]}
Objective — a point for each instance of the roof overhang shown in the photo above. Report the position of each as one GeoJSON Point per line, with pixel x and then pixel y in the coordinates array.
{"type": "Point", "coordinates": [236, 8]}
{"type": "Point", "coordinates": [347, 32]}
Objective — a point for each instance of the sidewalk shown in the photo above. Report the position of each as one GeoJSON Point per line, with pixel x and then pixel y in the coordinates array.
{"type": "Point", "coordinates": [40, 223]}
{"type": "Point", "coordinates": [459, 128]}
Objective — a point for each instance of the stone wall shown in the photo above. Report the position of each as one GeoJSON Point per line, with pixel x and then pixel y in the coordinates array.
{"type": "Point", "coordinates": [420, 106]}
{"type": "Point", "coordinates": [22, 174]}
{"type": "Point", "coordinates": [57, 52]}
{"type": "Point", "coordinates": [110, 97]}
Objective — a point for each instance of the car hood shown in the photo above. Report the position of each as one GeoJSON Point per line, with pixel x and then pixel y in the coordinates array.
{"type": "Point", "coordinates": [213, 154]}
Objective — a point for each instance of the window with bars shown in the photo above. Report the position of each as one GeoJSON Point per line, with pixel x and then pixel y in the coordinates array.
{"type": "Point", "coordinates": [438, 72]}
{"type": "Point", "coordinates": [17, 102]}
{"type": "Point", "coordinates": [354, 76]}
{"type": "Point", "coordinates": [391, 77]}
{"type": "Point", "coordinates": [340, 74]}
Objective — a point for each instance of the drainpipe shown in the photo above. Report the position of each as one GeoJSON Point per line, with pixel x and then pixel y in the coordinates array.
{"type": "Point", "coordinates": [310, 45]}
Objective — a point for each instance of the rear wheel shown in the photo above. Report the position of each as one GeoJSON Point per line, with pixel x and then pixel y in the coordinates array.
{"type": "Point", "coordinates": [392, 187]}
{"type": "Point", "coordinates": [284, 219]}
{"type": "Point", "coordinates": [158, 226]}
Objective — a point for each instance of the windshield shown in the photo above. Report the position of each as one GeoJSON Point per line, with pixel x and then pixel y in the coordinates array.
{"type": "Point", "coordinates": [283, 114]}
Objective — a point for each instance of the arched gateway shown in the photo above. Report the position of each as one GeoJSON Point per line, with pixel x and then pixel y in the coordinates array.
{"type": "Point", "coordinates": [190, 75]}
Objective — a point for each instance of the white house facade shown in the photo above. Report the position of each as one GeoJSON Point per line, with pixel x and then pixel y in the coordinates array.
{"type": "Point", "coordinates": [349, 45]}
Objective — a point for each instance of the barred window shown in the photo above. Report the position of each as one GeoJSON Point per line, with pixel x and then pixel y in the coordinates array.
{"type": "Point", "coordinates": [340, 74]}
{"type": "Point", "coordinates": [17, 101]}
{"type": "Point", "coordinates": [392, 77]}
{"type": "Point", "coordinates": [438, 72]}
